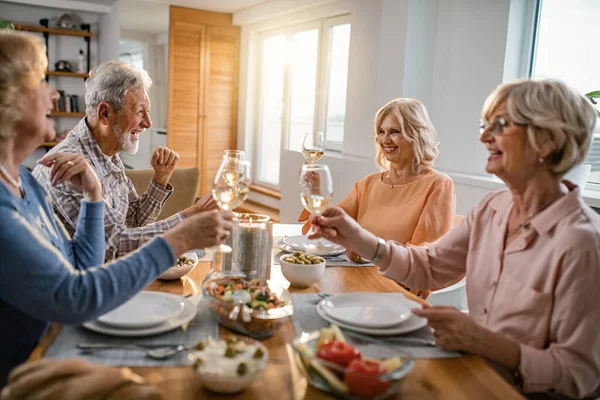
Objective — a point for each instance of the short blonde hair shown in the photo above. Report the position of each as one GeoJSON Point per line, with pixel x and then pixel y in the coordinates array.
{"type": "Point", "coordinates": [23, 65]}
{"type": "Point", "coordinates": [416, 128]}
{"type": "Point", "coordinates": [548, 107]}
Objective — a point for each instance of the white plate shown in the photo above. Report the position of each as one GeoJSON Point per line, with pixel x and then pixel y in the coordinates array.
{"type": "Point", "coordinates": [412, 324]}
{"type": "Point", "coordinates": [188, 313]}
{"type": "Point", "coordinates": [144, 310]}
{"type": "Point", "coordinates": [367, 310]}
{"type": "Point", "coordinates": [303, 243]}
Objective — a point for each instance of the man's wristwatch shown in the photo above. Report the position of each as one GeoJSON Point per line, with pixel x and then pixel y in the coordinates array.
{"type": "Point", "coordinates": [378, 251]}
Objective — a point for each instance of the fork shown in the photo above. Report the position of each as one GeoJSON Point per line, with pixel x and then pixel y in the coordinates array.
{"type": "Point", "coordinates": [391, 340]}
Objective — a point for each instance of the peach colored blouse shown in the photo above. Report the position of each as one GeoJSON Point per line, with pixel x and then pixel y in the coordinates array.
{"type": "Point", "coordinates": [416, 213]}
{"type": "Point", "coordinates": [539, 291]}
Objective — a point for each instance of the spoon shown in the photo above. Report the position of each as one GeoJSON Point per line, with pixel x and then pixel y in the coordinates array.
{"type": "Point", "coordinates": [240, 298]}
{"type": "Point", "coordinates": [158, 353]}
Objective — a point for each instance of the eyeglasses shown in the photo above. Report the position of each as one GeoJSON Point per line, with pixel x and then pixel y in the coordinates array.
{"type": "Point", "coordinates": [497, 126]}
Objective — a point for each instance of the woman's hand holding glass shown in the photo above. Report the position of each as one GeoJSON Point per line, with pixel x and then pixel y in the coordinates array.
{"type": "Point", "coordinates": [338, 227]}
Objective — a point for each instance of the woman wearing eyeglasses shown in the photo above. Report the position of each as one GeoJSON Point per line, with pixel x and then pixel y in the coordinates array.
{"type": "Point", "coordinates": [531, 253]}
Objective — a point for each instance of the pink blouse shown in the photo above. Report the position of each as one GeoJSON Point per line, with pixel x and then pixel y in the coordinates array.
{"type": "Point", "coordinates": [540, 291]}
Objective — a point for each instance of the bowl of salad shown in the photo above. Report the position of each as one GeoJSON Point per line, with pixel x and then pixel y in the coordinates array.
{"type": "Point", "coordinates": [265, 308]}
{"type": "Point", "coordinates": [347, 368]}
{"type": "Point", "coordinates": [183, 266]}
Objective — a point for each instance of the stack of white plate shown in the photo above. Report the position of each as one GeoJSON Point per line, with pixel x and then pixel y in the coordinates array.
{"type": "Point", "coordinates": [147, 313]}
{"type": "Point", "coordinates": [377, 314]}
{"type": "Point", "coordinates": [324, 248]}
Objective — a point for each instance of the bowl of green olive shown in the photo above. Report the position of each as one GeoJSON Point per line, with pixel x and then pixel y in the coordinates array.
{"type": "Point", "coordinates": [302, 269]}
{"type": "Point", "coordinates": [185, 263]}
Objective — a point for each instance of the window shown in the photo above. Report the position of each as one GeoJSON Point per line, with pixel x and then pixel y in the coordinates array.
{"type": "Point", "coordinates": [132, 52]}
{"type": "Point", "coordinates": [566, 48]}
{"type": "Point", "coordinates": [303, 74]}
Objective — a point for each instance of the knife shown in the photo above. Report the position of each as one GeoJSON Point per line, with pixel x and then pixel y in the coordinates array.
{"type": "Point", "coordinates": [98, 346]}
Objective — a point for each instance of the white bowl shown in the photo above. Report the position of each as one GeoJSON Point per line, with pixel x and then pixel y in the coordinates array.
{"type": "Point", "coordinates": [176, 272]}
{"type": "Point", "coordinates": [454, 295]}
{"type": "Point", "coordinates": [301, 275]}
{"type": "Point", "coordinates": [224, 378]}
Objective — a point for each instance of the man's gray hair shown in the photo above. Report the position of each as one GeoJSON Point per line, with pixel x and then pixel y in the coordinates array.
{"type": "Point", "coordinates": [109, 82]}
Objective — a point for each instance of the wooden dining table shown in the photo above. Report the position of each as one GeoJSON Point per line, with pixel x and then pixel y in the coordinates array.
{"type": "Point", "coordinates": [466, 377]}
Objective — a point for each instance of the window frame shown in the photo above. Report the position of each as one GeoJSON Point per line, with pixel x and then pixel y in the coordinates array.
{"type": "Point", "coordinates": [530, 60]}
{"type": "Point", "coordinates": [323, 25]}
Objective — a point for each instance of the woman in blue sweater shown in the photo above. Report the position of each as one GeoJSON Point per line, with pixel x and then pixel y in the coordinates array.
{"type": "Point", "coordinates": [47, 276]}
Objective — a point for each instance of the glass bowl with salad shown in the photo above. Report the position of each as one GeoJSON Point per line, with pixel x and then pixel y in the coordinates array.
{"type": "Point", "coordinates": [350, 367]}
{"type": "Point", "coordinates": [259, 312]}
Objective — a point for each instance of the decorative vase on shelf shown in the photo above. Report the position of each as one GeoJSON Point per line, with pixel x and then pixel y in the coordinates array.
{"type": "Point", "coordinates": [81, 61]}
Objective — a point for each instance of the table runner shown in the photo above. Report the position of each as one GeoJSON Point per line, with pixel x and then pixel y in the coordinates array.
{"type": "Point", "coordinates": [306, 319]}
{"type": "Point", "coordinates": [204, 324]}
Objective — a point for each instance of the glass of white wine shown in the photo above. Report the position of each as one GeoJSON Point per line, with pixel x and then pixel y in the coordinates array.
{"type": "Point", "coordinates": [316, 190]}
{"type": "Point", "coordinates": [231, 187]}
{"type": "Point", "coordinates": [313, 146]}
{"type": "Point", "coordinates": [235, 154]}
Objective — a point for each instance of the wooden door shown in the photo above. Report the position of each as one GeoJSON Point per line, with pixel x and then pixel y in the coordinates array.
{"type": "Point", "coordinates": [220, 99]}
{"type": "Point", "coordinates": [203, 87]}
{"type": "Point", "coordinates": [184, 119]}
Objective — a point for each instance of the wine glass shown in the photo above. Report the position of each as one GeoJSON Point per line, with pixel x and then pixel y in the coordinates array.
{"type": "Point", "coordinates": [313, 146]}
{"type": "Point", "coordinates": [231, 187]}
{"type": "Point", "coordinates": [235, 154]}
{"type": "Point", "coordinates": [316, 190]}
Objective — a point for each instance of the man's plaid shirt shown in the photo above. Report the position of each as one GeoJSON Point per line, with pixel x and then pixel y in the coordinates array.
{"type": "Point", "coordinates": [128, 217]}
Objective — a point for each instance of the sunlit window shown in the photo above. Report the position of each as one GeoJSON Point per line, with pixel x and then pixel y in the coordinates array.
{"type": "Point", "coordinates": [566, 48]}
{"type": "Point", "coordinates": [303, 83]}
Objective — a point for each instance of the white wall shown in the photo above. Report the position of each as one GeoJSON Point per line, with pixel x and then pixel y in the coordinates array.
{"type": "Point", "coordinates": [109, 33]}
{"type": "Point", "coordinates": [450, 54]}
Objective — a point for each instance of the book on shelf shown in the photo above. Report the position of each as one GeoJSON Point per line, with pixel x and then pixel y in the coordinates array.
{"type": "Point", "coordinates": [67, 103]}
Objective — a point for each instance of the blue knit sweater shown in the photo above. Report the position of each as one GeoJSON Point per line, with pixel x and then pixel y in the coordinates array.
{"type": "Point", "coordinates": [47, 277]}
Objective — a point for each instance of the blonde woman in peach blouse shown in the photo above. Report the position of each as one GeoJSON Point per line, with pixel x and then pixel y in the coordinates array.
{"type": "Point", "coordinates": [531, 253]}
{"type": "Point", "coordinates": [408, 191]}
{"type": "Point", "coordinates": [419, 199]}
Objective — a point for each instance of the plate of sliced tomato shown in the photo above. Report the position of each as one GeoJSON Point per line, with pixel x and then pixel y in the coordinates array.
{"type": "Point", "coordinates": [349, 371]}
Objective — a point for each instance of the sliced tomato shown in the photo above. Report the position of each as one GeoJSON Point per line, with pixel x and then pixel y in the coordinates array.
{"type": "Point", "coordinates": [337, 352]}
{"type": "Point", "coordinates": [362, 378]}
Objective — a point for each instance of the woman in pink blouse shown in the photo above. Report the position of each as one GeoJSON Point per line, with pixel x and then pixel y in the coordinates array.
{"type": "Point", "coordinates": [531, 253]}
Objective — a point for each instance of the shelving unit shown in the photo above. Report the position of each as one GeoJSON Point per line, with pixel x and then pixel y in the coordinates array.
{"type": "Point", "coordinates": [68, 74]}
{"type": "Point", "coordinates": [68, 114]}
{"type": "Point", "coordinates": [54, 31]}
{"type": "Point", "coordinates": [46, 31]}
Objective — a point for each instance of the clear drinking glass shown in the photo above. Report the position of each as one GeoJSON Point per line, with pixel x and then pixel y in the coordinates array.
{"type": "Point", "coordinates": [231, 187]}
{"type": "Point", "coordinates": [313, 146]}
{"type": "Point", "coordinates": [316, 190]}
{"type": "Point", "coordinates": [235, 154]}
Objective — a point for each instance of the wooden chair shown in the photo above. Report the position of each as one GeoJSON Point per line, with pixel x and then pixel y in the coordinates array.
{"type": "Point", "coordinates": [185, 181]}
{"type": "Point", "coordinates": [458, 219]}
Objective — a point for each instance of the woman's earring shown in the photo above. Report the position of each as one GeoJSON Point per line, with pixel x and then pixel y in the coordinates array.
{"type": "Point", "coordinates": [540, 160]}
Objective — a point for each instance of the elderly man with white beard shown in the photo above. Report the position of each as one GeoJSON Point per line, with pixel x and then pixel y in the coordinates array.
{"type": "Point", "coordinates": [116, 107]}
